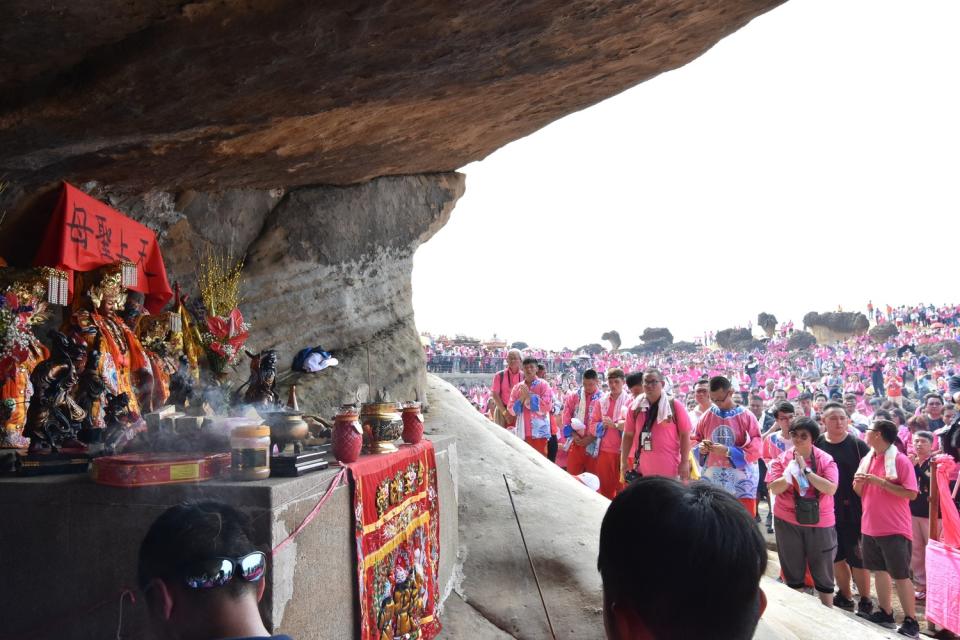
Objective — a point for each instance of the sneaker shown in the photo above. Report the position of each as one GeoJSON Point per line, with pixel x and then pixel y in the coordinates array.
{"type": "Point", "coordinates": [769, 528]}
{"type": "Point", "coordinates": [843, 603]}
{"type": "Point", "coordinates": [882, 618]}
{"type": "Point", "coordinates": [865, 608]}
{"type": "Point", "coordinates": [920, 596]}
{"type": "Point", "coordinates": [909, 628]}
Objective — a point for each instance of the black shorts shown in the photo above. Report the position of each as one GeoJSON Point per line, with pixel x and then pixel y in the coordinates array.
{"type": "Point", "coordinates": [849, 547]}
{"type": "Point", "coordinates": [888, 553]}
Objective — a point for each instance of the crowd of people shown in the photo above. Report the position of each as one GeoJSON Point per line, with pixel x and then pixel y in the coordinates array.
{"type": "Point", "coordinates": [837, 439]}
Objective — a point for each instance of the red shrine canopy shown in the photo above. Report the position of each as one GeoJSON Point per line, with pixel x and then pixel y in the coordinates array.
{"type": "Point", "coordinates": [85, 234]}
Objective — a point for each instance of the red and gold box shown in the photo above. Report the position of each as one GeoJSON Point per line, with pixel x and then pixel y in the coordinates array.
{"type": "Point", "coordinates": [146, 469]}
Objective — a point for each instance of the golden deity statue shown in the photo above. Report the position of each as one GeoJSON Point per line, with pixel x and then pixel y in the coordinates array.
{"type": "Point", "coordinates": [123, 363]}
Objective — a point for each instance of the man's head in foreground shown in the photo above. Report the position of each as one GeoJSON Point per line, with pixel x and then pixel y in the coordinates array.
{"type": "Point", "coordinates": [680, 562]}
{"type": "Point", "coordinates": [201, 575]}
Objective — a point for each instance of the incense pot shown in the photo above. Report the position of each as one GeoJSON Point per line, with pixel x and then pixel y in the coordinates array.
{"type": "Point", "coordinates": [287, 429]}
{"type": "Point", "coordinates": [412, 423]}
{"type": "Point", "coordinates": [347, 434]}
{"type": "Point", "coordinates": [382, 425]}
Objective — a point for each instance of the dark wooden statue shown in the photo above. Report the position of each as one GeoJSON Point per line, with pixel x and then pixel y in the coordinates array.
{"type": "Point", "coordinates": [53, 416]}
{"type": "Point", "coordinates": [262, 384]}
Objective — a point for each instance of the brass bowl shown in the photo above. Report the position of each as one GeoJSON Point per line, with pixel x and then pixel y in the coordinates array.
{"type": "Point", "coordinates": [286, 428]}
{"type": "Point", "coordinates": [382, 425]}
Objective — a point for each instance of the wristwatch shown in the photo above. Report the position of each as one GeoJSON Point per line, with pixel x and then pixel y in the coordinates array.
{"type": "Point", "coordinates": [807, 470]}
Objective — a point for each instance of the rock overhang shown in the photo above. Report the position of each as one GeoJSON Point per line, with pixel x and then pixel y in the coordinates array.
{"type": "Point", "coordinates": [265, 93]}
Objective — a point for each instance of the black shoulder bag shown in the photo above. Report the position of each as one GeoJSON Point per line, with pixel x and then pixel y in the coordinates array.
{"type": "Point", "coordinates": [808, 509]}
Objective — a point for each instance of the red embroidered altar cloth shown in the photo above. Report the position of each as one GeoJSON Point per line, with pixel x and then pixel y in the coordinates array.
{"type": "Point", "coordinates": [397, 530]}
{"type": "Point", "coordinates": [85, 234]}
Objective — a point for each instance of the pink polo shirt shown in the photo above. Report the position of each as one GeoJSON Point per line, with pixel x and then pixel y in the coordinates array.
{"type": "Point", "coordinates": [884, 514]}
{"type": "Point", "coordinates": [613, 410]}
{"type": "Point", "coordinates": [503, 383]}
{"type": "Point", "coordinates": [784, 507]}
{"type": "Point", "coordinates": [664, 458]}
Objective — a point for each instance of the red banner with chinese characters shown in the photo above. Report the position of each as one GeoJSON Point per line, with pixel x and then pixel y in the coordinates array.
{"type": "Point", "coordinates": [85, 234]}
{"type": "Point", "coordinates": [397, 528]}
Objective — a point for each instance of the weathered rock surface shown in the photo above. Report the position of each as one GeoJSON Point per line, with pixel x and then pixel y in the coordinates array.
{"type": "Point", "coordinates": [837, 325]}
{"type": "Point", "coordinates": [883, 332]}
{"type": "Point", "coordinates": [732, 338]}
{"type": "Point", "coordinates": [767, 322]}
{"type": "Point", "coordinates": [934, 348]}
{"type": "Point", "coordinates": [800, 340]}
{"type": "Point", "coordinates": [656, 334]}
{"type": "Point", "coordinates": [593, 348]}
{"type": "Point", "coordinates": [613, 337]}
{"type": "Point", "coordinates": [265, 93]}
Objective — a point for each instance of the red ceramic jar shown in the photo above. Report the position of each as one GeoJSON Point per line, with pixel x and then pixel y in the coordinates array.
{"type": "Point", "coordinates": [347, 435]}
{"type": "Point", "coordinates": [412, 423]}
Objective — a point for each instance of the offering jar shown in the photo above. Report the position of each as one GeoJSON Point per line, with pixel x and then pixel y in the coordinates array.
{"type": "Point", "coordinates": [347, 435]}
{"type": "Point", "coordinates": [412, 423]}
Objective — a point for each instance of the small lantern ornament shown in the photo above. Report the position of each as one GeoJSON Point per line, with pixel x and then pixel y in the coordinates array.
{"type": "Point", "coordinates": [58, 288]}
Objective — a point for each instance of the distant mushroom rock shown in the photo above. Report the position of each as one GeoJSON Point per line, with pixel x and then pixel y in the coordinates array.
{"type": "Point", "coordinates": [883, 332]}
{"type": "Point", "coordinates": [592, 349]}
{"type": "Point", "coordinates": [613, 337]}
{"type": "Point", "coordinates": [684, 347]}
{"type": "Point", "coordinates": [800, 340]}
{"type": "Point", "coordinates": [730, 339]}
{"type": "Point", "coordinates": [834, 326]}
{"type": "Point", "coordinates": [520, 345]}
{"type": "Point", "coordinates": [767, 322]}
{"type": "Point", "coordinates": [657, 334]}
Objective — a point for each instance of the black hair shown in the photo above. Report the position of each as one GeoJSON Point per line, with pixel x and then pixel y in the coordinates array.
{"type": "Point", "coordinates": [926, 435]}
{"type": "Point", "coordinates": [530, 360]}
{"type": "Point", "coordinates": [803, 423]}
{"type": "Point", "coordinates": [833, 405]}
{"type": "Point", "coordinates": [932, 395]}
{"type": "Point", "coordinates": [886, 429]}
{"type": "Point", "coordinates": [720, 383]}
{"type": "Point", "coordinates": [590, 374]}
{"type": "Point", "coordinates": [882, 414]}
{"type": "Point", "coordinates": [657, 533]}
{"type": "Point", "coordinates": [805, 396]}
{"type": "Point", "coordinates": [821, 395]}
{"type": "Point", "coordinates": [783, 407]}
{"type": "Point", "coordinates": [192, 532]}
{"type": "Point", "coordinates": [634, 379]}
{"type": "Point", "coordinates": [541, 366]}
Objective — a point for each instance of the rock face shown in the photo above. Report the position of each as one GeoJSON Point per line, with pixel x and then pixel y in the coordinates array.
{"type": "Point", "coordinates": [266, 93]}
{"type": "Point", "coordinates": [883, 332]}
{"type": "Point", "coordinates": [767, 322]}
{"type": "Point", "coordinates": [613, 337]}
{"type": "Point", "coordinates": [657, 334]}
{"type": "Point", "coordinates": [834, 326]}
{"type": "Point", "coordinates": [800, 340]}
{"type": "Point", "coordinates": [732, 339]}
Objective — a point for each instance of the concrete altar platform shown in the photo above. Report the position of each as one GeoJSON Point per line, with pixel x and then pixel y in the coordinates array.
{"type": "Point", "coordinates": [68, 548]}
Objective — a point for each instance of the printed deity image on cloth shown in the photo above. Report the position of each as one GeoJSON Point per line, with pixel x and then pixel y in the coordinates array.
{"type": "Point", "coordinates": [396, 510]}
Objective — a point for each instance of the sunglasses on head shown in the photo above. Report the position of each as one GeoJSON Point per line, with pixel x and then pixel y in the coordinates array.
{"type": "Point", "coordinates": [216, 572]}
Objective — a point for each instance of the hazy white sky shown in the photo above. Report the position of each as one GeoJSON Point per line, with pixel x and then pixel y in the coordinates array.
{"type": "Point", "coordinates": [808, 160]}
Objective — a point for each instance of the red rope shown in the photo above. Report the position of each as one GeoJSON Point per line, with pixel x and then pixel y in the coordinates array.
{"type": "Point", "coordinates": [337, 480]}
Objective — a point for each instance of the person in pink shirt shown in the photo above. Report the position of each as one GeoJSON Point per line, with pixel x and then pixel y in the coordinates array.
{"type": "Point", "coordinates": [579, 405]}
{"type": "Point", "coordinates": [531, 402]}
{"type": "Point", "coordinates": [503, 383]}
{"type": "Point", "coordinates": [729, 444]}
{"type": "Point", "coordinates": [886, 483]}
{"type": "Point", "coordinates": [606, 425]}
{"type": "Point", "coordinates": [656, 434]}
{"type": "Point", "coordinates": [804, 480]}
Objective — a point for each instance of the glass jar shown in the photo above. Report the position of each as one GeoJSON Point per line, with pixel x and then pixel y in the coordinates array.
{"type": "Point", "coordinates": [250, 452]}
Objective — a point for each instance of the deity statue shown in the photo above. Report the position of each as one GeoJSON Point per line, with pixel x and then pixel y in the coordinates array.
{"type": "Point", "coordinates": [124, 365]}
{"type": "Point", "coordinates": [53, 416]}
{"type": "Point", "coordinates": [26, 290]}
{"type": "Point", "coordinates": [262, 384]}
{"type": "Point", "coordinates": [163, 347]}
{"type": "Point", "coordinates": [119, 430]}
